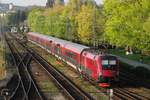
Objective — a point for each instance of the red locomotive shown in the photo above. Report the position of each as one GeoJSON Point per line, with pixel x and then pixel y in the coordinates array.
{"type": "Point", "coordinates": [102, 68]}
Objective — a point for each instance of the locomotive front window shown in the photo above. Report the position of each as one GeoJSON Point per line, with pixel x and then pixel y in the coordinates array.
{"type": "Point", "coordinates": [104, 62]}
{"type": "Point", "coordinates": [109, 62]}
{"type": "Point", "coordinates": [112, 62]}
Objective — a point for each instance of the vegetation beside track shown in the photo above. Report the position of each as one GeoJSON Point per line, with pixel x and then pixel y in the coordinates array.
{"type": "Point", "coordinates": [134, 56]}
{"type": "Point", "coordinates": [2, 67]}
{"type": "Point", "coordinates": [140, 72]}
{"type": "Point", "coordinates": [2, 72]}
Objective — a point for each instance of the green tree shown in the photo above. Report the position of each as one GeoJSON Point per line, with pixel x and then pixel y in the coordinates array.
{"type": "Point", "coordinates": [68, 19]}
{"type": "Point", "coordinates": [32, 18]}
{"type": "Point", "coordinates": [90, 23]}
{"type": "Point", "coordinates": [40, 24]}
{"type": "Point", "coordinates": [145, 40]}
{"type": "Point", "coordinates": [53, 20]}
{"type": "Point", "coordinates": [125, 19]}
{"type": "Point", "coordinates": [50, 3]}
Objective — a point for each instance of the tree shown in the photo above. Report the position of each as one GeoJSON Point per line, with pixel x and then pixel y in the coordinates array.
{"type": "Point", "coordinates": [40, 24]}
{"type": "Point", "coordinates": [145, 40]}
{"type": "Point", "coordinates": [65, 21]}
{"type": "Point", "coordinates": [32, 18]}
{"type": "Point", "coordinates": [68, 19]}
{"type": "Point", "coordinates": [50, 3]}
{"type": "Point", "coordinates": [52, 22]}
{"type": "Point", "coordinates": [125, 19]}
{"type": "Point", "coordinates": [90, 22]}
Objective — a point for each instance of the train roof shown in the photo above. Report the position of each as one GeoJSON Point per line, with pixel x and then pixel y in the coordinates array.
{"type": "Point", "coordinates": [67, 44]}
{"type": "Point", "coordinates": [37, 34]}
{"type": "Point", "coordinates": [76, 47]}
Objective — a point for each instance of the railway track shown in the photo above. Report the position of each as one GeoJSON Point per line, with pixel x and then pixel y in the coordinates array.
{"type": "Point", "coordinates": [72, 75]}
{"type": "Point", "coordinates": [27, 89]}
{"type": "Point", "coordinates": [128, 95]}
{"type": "Point", "coordinates": [46, 84]}
{"type": "Point", "coordinates": [119, 92]}
{"type": "Point", "coordinates": [125, 94]}
{"type": "Point", "coordinates": [71, 90]}
{"type": "Point", "coordinates": [135, 80]}
{"type": "Point", "coordinates": [122, 93]}
{"type": "Point", "coordinates": [129, 80]}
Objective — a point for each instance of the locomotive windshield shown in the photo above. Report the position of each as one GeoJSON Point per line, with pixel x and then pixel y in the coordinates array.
{"type": "Point", "coordinates": [109, 62]}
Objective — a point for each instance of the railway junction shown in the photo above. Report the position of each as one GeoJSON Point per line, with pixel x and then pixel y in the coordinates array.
{"type": "Point", "coordinates": [43, 76]}
{"type": "Point", "coordinates": [75, 50]}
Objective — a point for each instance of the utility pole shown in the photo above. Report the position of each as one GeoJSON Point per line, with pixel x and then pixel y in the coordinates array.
{"type": "Point", "coordinates": [94, 25]}
{"type": "Point", "coordinates": [50, 3]}
{"type": "Point", "coordinates": [59, 2]}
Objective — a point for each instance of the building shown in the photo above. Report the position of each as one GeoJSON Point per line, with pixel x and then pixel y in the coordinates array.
{"type": "Point", "coordinates": [51, 3]}
{"type": "Point", "coordinates": [11, 6]}
{"type": "Point", "coordinates": [4, 7]}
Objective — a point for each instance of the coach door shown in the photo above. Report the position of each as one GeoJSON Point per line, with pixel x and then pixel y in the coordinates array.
{"type": "Point", "coordinates": [58, 49]}
{"type": "Point", "coordinates": [83, 61]}
{"type": "Point", "coordinates": [50, 48]}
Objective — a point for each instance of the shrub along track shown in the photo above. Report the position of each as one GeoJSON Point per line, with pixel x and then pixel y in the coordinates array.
{"type": "Point", "coordinates": [126, 91]}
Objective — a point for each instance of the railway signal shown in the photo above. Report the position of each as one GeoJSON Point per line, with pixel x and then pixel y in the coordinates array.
{"type": "Point", "coordinates": [5, 93]}
{"type": "Point", "coordinates": [110, 93]}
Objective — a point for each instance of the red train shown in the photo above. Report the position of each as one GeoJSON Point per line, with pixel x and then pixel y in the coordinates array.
{"type": "Point", "coordinates": [102, 68]}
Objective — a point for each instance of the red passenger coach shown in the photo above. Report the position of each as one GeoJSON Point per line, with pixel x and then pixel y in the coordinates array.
{"type": "Point", "coordinates": [96, 66]}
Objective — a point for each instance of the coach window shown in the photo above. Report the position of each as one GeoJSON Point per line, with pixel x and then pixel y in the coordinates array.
{"type": "Point", "coordinates": [50, 41]}
{"type": "Point", "coordinates": [57, 48]}
{"type": "Point", "coordinates": [50, 44]}
{"type": "Point", "coordinates": [72, 56]}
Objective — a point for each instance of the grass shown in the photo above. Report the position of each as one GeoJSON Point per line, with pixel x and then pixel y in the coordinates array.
{"type": "Point", "coordinates": [135, 57]}
{"type": "Point", "coordinates": [2, 73]}
{"type": "Point", "coordinates": [139, 71]}
{"type": "Point", "coordinates": [48, 86]}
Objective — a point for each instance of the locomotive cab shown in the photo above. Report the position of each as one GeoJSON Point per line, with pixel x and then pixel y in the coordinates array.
{"type": "Point", "coordinates": [109, 68]}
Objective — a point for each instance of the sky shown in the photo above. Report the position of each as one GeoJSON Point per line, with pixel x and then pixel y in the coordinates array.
{"type": "Point", "coordinates": [32, 2]}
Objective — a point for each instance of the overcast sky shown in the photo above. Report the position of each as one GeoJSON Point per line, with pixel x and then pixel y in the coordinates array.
{"type": "Point", "coordinates": [31, 2]}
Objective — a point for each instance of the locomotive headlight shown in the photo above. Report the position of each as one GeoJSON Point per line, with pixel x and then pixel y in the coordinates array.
{"type": "Point", "coordinates": [99, 76]}
{"type": "Point", "coordinates": [117, 73]}
{"type": "Point", "coordinates": [100, 73]}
